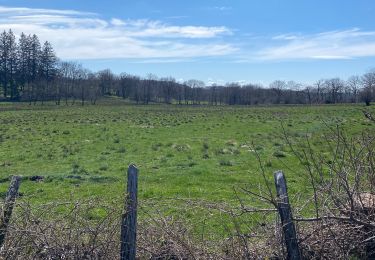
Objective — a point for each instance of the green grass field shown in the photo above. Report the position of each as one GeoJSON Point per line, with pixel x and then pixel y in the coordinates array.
{"type": "Point", "coordinates": [181, 151]}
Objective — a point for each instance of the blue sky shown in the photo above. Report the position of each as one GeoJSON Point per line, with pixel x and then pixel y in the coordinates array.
{"type": "Point", "coordinates": [216, 41]}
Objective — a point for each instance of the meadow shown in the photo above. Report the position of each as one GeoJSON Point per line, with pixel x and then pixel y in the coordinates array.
{"type": "Point", "coordinates": [183, 152]}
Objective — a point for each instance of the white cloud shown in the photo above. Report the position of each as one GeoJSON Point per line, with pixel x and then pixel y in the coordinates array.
{"type": "Point", "coordinates": [213, 81]}
{"type": "Point", "coordinates": [222, 8]}
{"type": "Point", "coordinates": [117, 22]}
{"type": "Point", "coordinates": [82, 35]}
{"type": "Point", "coordinates": [285, 37]}
{"type": "Point", "coordinates": [346, 44]}
{"type": "Point", "coordinates": [28, 11]}
{"type": "Point", "coordinates": [147, 28]}
{"type": "Point", "coordinates": [164, 60]}
{"type": "Point", "coordinates": [177, 17]}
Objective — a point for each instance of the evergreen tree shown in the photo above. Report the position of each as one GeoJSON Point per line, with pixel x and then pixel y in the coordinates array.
{"type": "Point", "coordinates": [34, 63]}
{"type": "Point", "coordinates": [23, 61]}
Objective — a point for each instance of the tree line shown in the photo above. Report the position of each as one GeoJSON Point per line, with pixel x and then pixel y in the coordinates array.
{"type": "Point", "coordinates": [31, 72]}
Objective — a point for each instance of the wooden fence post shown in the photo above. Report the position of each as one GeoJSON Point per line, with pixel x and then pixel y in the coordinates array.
{"type": "Point", "coordinates": [8, 207]}
{"type": "Point", "coordinates": [285, 213]}
{"type": "Point", "coordinates": [129, 218]}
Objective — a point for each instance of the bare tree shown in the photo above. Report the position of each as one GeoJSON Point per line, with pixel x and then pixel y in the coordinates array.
{"type": "Point", "coordinates": [278, 87]}
{"type": "Point", "coordinates": [106, 79]}
{"type": "Point", "coordinates": [196, 87]}
{"type": "Point", "coordinates": [368, 81]}
{"type": "Point", "coordinates": [354, 85]}
{"type": "Point", "coordinates": [334, 88]}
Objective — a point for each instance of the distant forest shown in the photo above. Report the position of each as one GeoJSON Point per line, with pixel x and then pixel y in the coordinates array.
{"type": "Point", "coordinates": [31, 72]}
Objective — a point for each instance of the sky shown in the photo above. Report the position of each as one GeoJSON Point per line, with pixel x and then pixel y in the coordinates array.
{"type": "Point", "coordinates": [216, 41]}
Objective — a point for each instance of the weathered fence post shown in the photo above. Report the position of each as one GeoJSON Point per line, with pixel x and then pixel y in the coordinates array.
{"type": "Point", "coordinates": [129, 218]}
{"type": "Point", "coordinates": [8, 207]}
{"type": "Point", "coordinates": [285, 213]}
